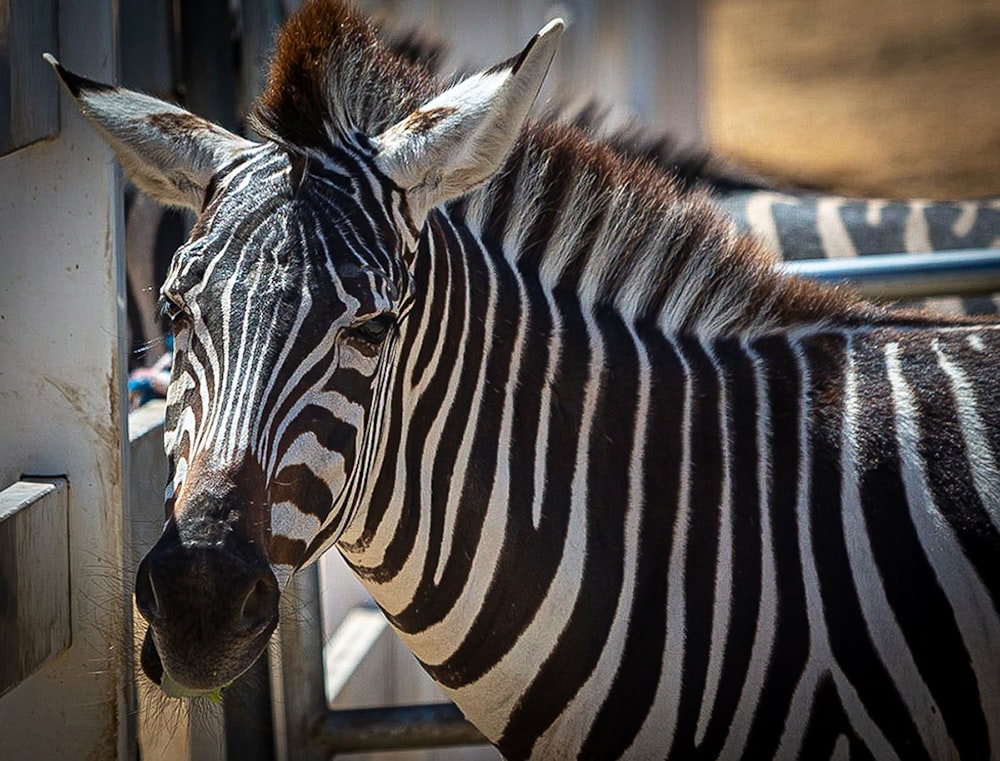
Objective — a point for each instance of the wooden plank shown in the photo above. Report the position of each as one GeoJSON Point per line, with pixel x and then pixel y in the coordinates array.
{"type": "Point", "coordinates": [34, 578]}
{"type": "Point", "coordinates": [346, 651]}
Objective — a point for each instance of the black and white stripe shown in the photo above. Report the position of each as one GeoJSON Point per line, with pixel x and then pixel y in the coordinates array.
{"type": "Point", "coordinates": [258, 298]}
{"type": "Point", "coordinates": [806, 225]}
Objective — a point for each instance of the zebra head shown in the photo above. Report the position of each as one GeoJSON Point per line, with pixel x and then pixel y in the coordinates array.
{"type": "Point", "coordinates": [287, 303]}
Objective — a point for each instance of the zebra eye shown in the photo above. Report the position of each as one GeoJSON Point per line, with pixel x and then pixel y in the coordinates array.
{"type": "Point", "coordinates": [375, 330]}
{"type": "Point", "coordinates": [171, 310]}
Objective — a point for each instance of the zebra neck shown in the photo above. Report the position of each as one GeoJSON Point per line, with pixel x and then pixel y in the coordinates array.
{"type": "Point", "coordinates": [504, 395]}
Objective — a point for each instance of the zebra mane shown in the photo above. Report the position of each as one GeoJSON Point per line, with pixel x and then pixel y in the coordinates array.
{"type": "Point", "coordinates": [628, 230]}
{"type": "Point", "coordinates": [692, 166]}
{"type": "Point", "coordinates": [332, 76]}
{"type": "Point", "coordinates": [628, 236]}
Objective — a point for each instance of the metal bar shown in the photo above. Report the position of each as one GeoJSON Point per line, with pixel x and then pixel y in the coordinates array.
{"type": "Point", "coordinates": [904, 276]}
{"type": "Point", "coordinates": [298, 672]}
{"type": "Point", "coordinates": [433, 725]}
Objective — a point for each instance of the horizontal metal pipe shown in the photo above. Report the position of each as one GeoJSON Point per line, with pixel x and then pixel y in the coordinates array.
{"type": "Point", "coordinates": [906, 276]}
{"type": "Point", "coordinates": [433, 725]}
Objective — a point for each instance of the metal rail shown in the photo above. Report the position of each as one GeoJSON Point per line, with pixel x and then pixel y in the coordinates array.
{"type": "Point", "coordinates": [435, 725]}
{"type": "Point", "coordinates": [907, 276]}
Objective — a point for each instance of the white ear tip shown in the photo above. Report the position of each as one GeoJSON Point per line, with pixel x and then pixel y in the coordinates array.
{"type": "Point", "coordinates": [552, 29]}
{"type": "Point", "coordinates": [51, 60]}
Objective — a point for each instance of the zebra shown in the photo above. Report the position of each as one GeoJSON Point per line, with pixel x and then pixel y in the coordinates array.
{"type": "Point", "coordinates": [620, 486]}
{"type": "Point", "coordinates": [801, 225]}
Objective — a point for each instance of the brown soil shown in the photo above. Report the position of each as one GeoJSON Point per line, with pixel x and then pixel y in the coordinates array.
{"type": "Point", "coordinates": [894, 97]}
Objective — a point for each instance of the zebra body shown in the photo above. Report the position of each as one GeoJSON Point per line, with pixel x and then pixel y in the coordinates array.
{"type": "Point", "coordinates": [622, 488]}
{"type": "Point", "coordinates": [805, 225]}
{"type": "Point", "coordinates": [584, 588]}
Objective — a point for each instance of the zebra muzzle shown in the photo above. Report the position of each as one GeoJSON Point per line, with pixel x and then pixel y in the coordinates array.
{"type": "Point", "coordinates": [210, 613]}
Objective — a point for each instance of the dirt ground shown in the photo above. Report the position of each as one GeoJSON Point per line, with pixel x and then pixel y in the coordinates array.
{"type": "Point", "coordinates": [893, 98]}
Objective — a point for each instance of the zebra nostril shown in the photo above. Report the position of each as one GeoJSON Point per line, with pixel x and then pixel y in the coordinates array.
{"type": "Point", "coordinates": [145, 593]}
{"type": "Point", "coordinates": [149, 659]}
{"type": "Point", "coordinates": [260, 606]}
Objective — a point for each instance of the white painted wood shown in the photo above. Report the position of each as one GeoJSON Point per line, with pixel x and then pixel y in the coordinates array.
{"type": "Point", "coordinates": [62, 404]}
{"type": "Point", "coordinates": [367, 665]}
{"type": "Point", "coordinates": [349, 647]}
{"type": "Point", "coordinates": [342, 592]}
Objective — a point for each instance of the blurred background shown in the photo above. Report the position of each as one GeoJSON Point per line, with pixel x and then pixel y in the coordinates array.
{"type": "Point", "coordinates": [890, 98]}
{"type": "Point", "coordinates": [897, 98]}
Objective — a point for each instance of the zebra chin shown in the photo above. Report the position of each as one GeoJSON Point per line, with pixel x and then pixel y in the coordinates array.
{"type": "Point", "coordinates": [197, 683]}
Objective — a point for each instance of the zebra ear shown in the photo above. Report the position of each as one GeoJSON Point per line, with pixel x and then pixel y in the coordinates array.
{"type": "Point", "coordinates": [458, 139]}
{"type": "Point", "coordinates": [170, 153]}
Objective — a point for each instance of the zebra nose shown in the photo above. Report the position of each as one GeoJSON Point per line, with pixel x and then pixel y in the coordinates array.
{"type": "Point", "coordinates": [213, 584]}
